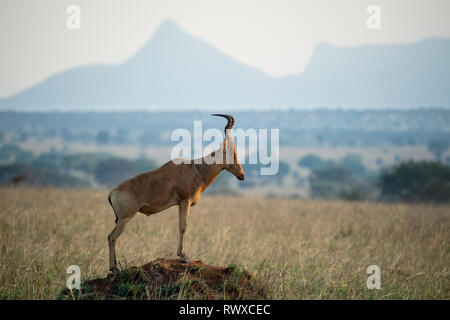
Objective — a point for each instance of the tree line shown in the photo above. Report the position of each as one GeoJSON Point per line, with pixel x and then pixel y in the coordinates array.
{"type": "Point", "coordinates": [346, 178]}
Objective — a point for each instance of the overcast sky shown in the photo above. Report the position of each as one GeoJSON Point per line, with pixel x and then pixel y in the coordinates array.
{"type": "Point", "coordinates": [277, 37]}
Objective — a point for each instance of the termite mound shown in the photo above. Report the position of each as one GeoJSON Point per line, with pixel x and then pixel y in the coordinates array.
{"type": "Point", "coordinates": [172, 279]}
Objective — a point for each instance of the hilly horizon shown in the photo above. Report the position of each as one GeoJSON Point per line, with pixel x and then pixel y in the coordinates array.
{"type": "Point", "coordinates": [177, 71]}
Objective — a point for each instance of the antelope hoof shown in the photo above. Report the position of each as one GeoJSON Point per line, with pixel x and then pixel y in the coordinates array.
{"type": "Point", "coordinates": [184, 257]}
{"type": "Point", "coordinates": [114, 272]}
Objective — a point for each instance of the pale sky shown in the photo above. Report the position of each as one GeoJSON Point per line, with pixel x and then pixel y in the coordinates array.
{"type": "Point", "coordinates": [277, 37]}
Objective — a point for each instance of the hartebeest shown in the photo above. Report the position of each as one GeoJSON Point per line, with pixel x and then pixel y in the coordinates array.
{"type": "Point", "coordinates": [172, 184]}
{"type": "Point", "coordinates": [14, 181]}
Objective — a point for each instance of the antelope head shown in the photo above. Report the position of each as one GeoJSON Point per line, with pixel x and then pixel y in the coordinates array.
{"type": "Point", "coordinates": [230, 157]}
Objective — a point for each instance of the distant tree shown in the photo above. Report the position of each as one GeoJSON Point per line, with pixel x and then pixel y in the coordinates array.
{"type": "Point", "coordinates": [320, 139]}
{"type": "Point", "coordinates": [311, 161]}
{"type": "Point", "coordinates": [40, 174]}
{"type": "Point", "coordinates": [85, 162]}
{"type": "Point", "coordinates": [66, 134]}
{"type": "Point", "coordinates": [352, 161]}
{"type": "Point", "coordinates": [112, 171]}
{"type": "Point", "coordinates": [379, 161]}
{"type": "Point", "coordinates": [352, 194]}
{"type": "Point", "coordinates": [412, 141]}
{"type": "Point", "coordinates": [23, 136]}
{"type": "Point", "coordinates": [145, 139]}
{"type": "Point", "coordinates": [52, 156]}
{"type": "Point", "coordinates": [122, 136]}
{"type": "Point", "coordinates": [339, 174]}
{"type": "Point", "coordinates": [339, 181]}
{"type": "Point", "coordinates": [24, 157]}
{"type": "Point", "coordinates": [9, 152]}
{"type": "Point", "coordinates": [143, 164]}
{"type": "Point", "coordinates": [329, 182]}
{"type": "Point", "coordinates": [300, 181]}
{"type": "Point", "coordinates": [103, 137]}
{"type": "Point", "coordinates": [438, 147]}
{"type": "Point", "coordinates": [283, 171]}
{"type": "Point", "coordinates": [421, 181]}
{"type": "Point", "coordinates": [355, 163]}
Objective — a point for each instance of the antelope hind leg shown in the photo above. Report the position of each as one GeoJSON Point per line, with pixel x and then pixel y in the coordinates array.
{"type": "Point", "coordinates": [112, 240]}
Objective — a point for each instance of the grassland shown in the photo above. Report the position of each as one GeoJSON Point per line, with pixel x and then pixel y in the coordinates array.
{"type": "Point", "coordinates": [300, 249]}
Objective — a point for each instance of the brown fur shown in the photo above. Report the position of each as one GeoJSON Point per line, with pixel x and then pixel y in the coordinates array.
{"type": "Point", "coordinates": [19, 179]}
{"type": "Point", "coordinates": [171, 184]}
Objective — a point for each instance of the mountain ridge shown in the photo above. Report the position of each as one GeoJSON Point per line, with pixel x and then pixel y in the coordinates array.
{"type": "Point", "coordinates": [175, 70]}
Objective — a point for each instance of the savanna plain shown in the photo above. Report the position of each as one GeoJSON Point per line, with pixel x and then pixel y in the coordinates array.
{"type": "Point", "coordinates": [298, 249]}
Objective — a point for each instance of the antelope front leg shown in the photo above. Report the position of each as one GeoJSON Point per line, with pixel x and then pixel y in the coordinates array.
{"type": "Point", "coordinates": [184, 207]}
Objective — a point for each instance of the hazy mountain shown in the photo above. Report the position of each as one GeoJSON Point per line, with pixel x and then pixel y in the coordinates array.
{"type": "Point", "coordinates": [175, 70]}
{"type": "Point", "coordinates": [399, 75]}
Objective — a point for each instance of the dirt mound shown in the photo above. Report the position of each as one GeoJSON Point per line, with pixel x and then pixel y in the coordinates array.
{"type": "Point", "coordinates": [172, 279]}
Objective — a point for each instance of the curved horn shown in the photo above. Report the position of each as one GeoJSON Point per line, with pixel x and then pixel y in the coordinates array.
{"type": "Point", "coordinates": [228, 117]}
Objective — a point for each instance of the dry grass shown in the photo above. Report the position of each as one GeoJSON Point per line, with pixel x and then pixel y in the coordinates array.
{"type": "Point", "coordinates": [300, 249]}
